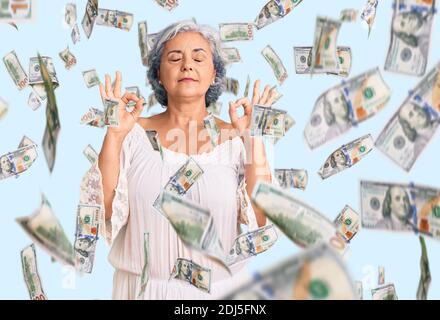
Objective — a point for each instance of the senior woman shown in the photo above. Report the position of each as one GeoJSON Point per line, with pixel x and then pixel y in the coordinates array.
{"type": "Point", "coordinates": [186, 72]}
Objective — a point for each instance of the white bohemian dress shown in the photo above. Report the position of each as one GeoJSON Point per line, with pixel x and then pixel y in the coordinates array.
{"type": "Point", "coordinates": [142, 175]}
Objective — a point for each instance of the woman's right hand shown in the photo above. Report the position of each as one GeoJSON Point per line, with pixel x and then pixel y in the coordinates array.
{"type": "Point", "coordinates": [126, 119]}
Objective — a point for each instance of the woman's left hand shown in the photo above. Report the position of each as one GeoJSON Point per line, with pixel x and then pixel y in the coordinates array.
{"type": "Point", "coordinates": [244, 123]}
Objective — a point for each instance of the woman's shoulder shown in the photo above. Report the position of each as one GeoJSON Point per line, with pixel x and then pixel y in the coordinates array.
{"type": "Point", "coordinates": [151, 122]}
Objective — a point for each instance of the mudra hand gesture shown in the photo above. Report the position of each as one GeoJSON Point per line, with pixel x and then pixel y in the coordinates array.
{"type": "Point", "coordinates": [126, 119]}
{"type": "Point", "coordinates": [243, 124]}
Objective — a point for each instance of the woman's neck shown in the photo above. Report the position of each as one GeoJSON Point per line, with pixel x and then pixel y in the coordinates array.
{"type": "Point", "coordinates": [184, 112]}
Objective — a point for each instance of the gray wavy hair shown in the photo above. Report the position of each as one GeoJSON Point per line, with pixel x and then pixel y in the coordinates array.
{"type": "Point", "coordinates": [154, 57]}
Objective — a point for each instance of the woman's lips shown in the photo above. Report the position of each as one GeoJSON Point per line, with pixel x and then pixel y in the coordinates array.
{"type": "Point", "coordinates": [187, 79]}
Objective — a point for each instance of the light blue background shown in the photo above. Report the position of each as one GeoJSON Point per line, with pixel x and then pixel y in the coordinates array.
{"type": "Point", "coordinates": [111, 49]}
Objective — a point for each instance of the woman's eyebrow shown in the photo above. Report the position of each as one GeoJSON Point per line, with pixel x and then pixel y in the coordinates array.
{"type": "Point", "coordinates": [174, 51]}
{"type": "Point", "coordinates": [199, 49]}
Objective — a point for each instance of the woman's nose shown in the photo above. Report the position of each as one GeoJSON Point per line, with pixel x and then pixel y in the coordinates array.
{"type": "Point", "coordinates": [186, 64]}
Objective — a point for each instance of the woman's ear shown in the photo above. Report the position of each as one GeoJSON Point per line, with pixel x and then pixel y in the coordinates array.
{"type": "Point", "coordinates": [158, 76]}
{"type": "Point", "coordinates": [213, 78]}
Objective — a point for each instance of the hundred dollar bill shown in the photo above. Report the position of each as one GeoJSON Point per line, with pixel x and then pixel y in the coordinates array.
{"type": "Point", "coordinates": [68, 58]}
{"type": "Point", "coordinates": [145, 275]}
{"type": "Point", "coordinates": [236, 31]}
{"type": "Point", "coordinates": [289, 122]}
{"type": "Point", "coordinates": [268, 121]}
{"type": "Point", "coordinates": [193, 273]}
{"type": "Point", "coordinates": [412, 127]}
{"type": "Point", "coordinates": [52, 129]}
{"type": "Point", "coordinates": [91, 190]}
{"type": "Point", "coordinates": [346, 156]}
{"type": "Point", "coordinates": [231, 55]}
{"type": "Point", "coordinates": [75, 35]}
{"type": "Point", "coordinates": [12, 11]}
{"type": "Point", "coordinates": [35, 76]}
{"type": "Point", "coordinates": [168, 4]}
{"type": "Point", "coordinates": [425, 273]}
{"type": "Point", "coordinates": [93, 117]}
{"type": "Point", "coordinates": [246, 89]}
{"type": "Point", "coordinates": [3, 108]}
{"type": "Point", "coordinates": [369, 13]}
{"type": "Point", "coordinates": [34, 101]}
{"type": "Point", "coordinates": [231, 85]}
{"type": "Point", "coordinates": [151, 40]}
{"type": "Point", "coordinates": [276, 95]}
{"type": "Point", "coordinates": [410, 36]}
{"type": "Point", "coordinates": [26, 141]}
{"type": "Point", "coordinates": [143, 41]}
{"type": "Point", "coordinates": [45, 230]}
{"type": "Point", "coordinates": [180, 182]}
{"type": "Point", "coordinates": [152, 101]}
{"type": "Point", "coordinates": [18, 161]}
{"type": "Point", "coordinates": [90, 154]}
{"type": "Point", "coordinates": [275, 63]}
{"type": "Point", "coordinates": [384, 292]}
{"type": "Point", "coordinates": [212, 128]}
{"type": "Point", "coordinates": [214, 108]}
{"type": "Point", "coordinates": [315, 274]}
{"type": "Point", "coordinates": [292, 178]}
{"type": "Point", "coordinates": [153, 136]}
{"type": "Point", "coordinates": [115, 19]}
{"type": "Point", "coordinates": [398, 207]}
{"type": "Point", "coordinates": [70, 14]}
{"type": "Point", "coordinates": [273, 11]}
{"type": "Point", "coordinates": [347, 223]}
{"type": "Point", "coordinates": [348, 15]}
{"type": "Point", "coordinates": [381, 275]}
{"type": "Point", "coordinates": [89, 18]}
{"type": "Point", "coordinates": [359, 290]}
{"type": "Point", "coordinates": [303, 61]}
{"type": "Point", "coordinates": [111, 112]}
{"type": "Point", "coordinates": [242, 198]}
{"type": "Point", "coordinates": [86, 236]}
{"type": "Point", "coordinates": [91, 78]}
{"type": "Point", "coordinates": [324, 52]}
{"type": "Point", "coordinates": [193, 224]}
{"type": "Point", "coordinates": [252, 243]}
{"type": "Point", "coordinates": [302, 224]}
{"type": "Point", "coordinates": [15, 70]}
{"type": "Point", "coordinates": [344, 106]}
{"type": "Point", "coordinates": [30, 273]}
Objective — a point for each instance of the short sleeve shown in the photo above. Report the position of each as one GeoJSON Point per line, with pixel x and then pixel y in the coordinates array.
{"type": "Point", "coordinates": [120, 205]}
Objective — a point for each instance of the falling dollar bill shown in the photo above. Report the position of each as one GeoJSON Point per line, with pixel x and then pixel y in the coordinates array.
{"type": "Point", "coordinates": [151, 40]}
{"type": "Point", "coordinates": [246, 89]}
{"type": "Point", "coordinates": [275, 63]}
{"type": "Point", "coordinates": [347, 223]}
{"type": "Point", "coordinates": [4, 107]}
{"type": "Point", "coordinates": [68, 58]}
{"type": "Point", "coordinates": [115, 19]}
{"type": "Point", "coordinates": [231, 85]}
{"type": "Point", "coordinates": [193, 273]}
{"type": "Point", "coordinates": [276, 95]}
{"type": "Point", "coordinates": [93, 117]}
{"type": "Point", "coordinates": [143, 41]}
{"type": "Point", "coordinates": [236, 31]}
{"type": "Point", "coordinates": [398, 207]}
{"type": "Point", "coordinates": [302, 224]}
{"type": "Point", "coordinates": [303, 61]}
{"type": "Point", "coordinates": [91, 78]}
{"type": "Point", "coordinates": [18, 161]}
{"type": "Point", "coordinates": [15, 70]}
{"type": "Point", "coordinates": [90, 154]}
{"type": "Point", "coordinates": [152, 101]}
{"type": "Point", "coordinates": [86, 236]}
{"type": "Point", "coordinates": [381, 275]}
{"type": "Point", "coordinates": [344, 106]}
{"type": "Point", "coordinates": [425, 273]}
{"type": "Point", "coordinates": [212, 128]}
{"type": "Point", "coordinates": [89, 18]}
{"type": "Point", "coordinates": [35, 76]}
{"type": "Point", "coordinates": [348, 15]}
{"type": "Point", "coordinates": [359, 290]}
{"type": "Point", "coordinates": [145, 274]}
{"type": "Point", "coordinates": [52, 129]}
{"type": "Point", "coordinates": [412, 127]}
{"type": "Point", "coordinates": [45, 230]}
{"type": "Point", "coordinates": [153, 137]}
{"type": "Point", "coordinates": [274, 10]}
{"type": "Point", "coordinates": [292, 178]}
{"type": "Point", "coordinates": [13, 11]}
{"type": "Point", "coordinates": [231, 55]}
{"type": "Point", "coordinates": [369, 13]}
{"type": "Point", "coordinates": [70, 14]}
{"type": "Point", "coordinates": [268, 121]}
{"type": "Point", "coordinates": [214, 108]}
{"type": "Point", "coordinates": [346, 156]}
{"type": "Point", "coordinates": [324, 52]}
{"type": "Point", "coordinates": [252, 243]}
{"type": "Point", "coordinates": [315, 274]}
{"type": "Point", "coordinates": [75, 35]}
{"type": "Point", "coordinates": [168, 4]}
{"type": "Point", "coordinates": [384, 292]}
{"type": "Point", "coordinates": [111, 112]}
{"type": "Point", "coordinates": [289, 122]}
{"type": "Point", "coordinates": [193, 224]}
{"type": "Point", "coordinates": [30, 273]}
{"type": "Point", "coordinates": [180, 182]}
{"type": "Point", "coordinates": [34, 101]}
{"type": "Point", "coordinates": [410, 37]}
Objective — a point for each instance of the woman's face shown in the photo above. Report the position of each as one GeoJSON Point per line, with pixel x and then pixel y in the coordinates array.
{"type": "Point", "coordinates": [186, 67]}
{"type": "Point", "coordinates": [407, 23]}
{"type": "Point", "coordinates": [415, 116]}
{"type": "Point", "coordinates": [399, 202]}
